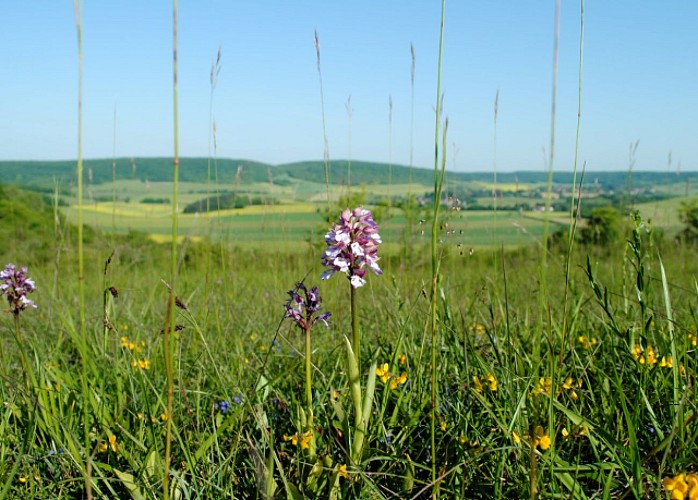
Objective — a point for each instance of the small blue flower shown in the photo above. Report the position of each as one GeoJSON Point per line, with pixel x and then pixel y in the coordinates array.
{"type": "Point", "coordinates": [222, 407]}
{"type": "Point", "coordinates": [237, 399]}
{"type": "Point", "coordinates": [387, 439]}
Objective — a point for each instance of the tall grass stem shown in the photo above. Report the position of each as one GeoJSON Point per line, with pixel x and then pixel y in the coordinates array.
{"type": "Point", "coordinates": [326, 146]}
{"type": "Point", "coordinates": [574, 208]}
{"type": "Point", "coordinates": [438, 183]}
{"type": "Point", "coordinates": [169, 330]}
{"type": "Point", "coordinates": [78, 5]}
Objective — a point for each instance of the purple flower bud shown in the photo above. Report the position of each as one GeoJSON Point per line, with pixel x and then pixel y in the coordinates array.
{"type": "Point", "coordinates": [352, 243]}
{"type": "Point", "coordinates": [15, 284]}
{"type": "Point", "coordinates": [302, 307]}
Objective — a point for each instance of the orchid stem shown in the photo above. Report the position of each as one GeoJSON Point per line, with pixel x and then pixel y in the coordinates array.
{"type": "Point", "coordinates": [356, 335]}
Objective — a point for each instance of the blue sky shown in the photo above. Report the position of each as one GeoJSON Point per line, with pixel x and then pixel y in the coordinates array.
{"type": "Point", "coordinates": [639, 81]}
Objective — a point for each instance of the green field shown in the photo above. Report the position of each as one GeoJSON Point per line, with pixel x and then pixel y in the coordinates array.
{"type": "Point", "coordinates": [584, 384]}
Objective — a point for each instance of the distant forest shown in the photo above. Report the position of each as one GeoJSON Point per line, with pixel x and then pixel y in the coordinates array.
{"type": "Point", "coordinates": [40, 175]}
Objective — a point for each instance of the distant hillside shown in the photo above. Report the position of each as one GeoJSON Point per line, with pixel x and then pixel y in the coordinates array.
{"type": "Point", "coordinates": [40, 175]}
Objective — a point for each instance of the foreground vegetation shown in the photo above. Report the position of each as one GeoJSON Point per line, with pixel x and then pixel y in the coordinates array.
{"type": "Point", "coordinates": [580, 389]}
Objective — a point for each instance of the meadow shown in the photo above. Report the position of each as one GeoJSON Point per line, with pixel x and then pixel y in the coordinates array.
{"type": "Point", "coordinates": [577, 383]}
{"type": "Point", "coordinates": [392, 339]}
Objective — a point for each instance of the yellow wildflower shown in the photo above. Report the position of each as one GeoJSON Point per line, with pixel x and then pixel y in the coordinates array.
{"type": "Point", "coordinates": [477, 329]}
{"type": "Point", "coordinates": [478, 384]}
{"type": "Point", "coordinates": [163, 417]}
{"type": "Point", "coordinates": [462, 439]}
{"type": "Point", "coordinates": [293, 439]}
{"type": "Point", "coordinates": [667, 362]}
{"type": "Point", "coordinates": [515, 436]}
{"type": "Point", "coordinates": [545, 386]}
{"type": "Point", "coordinates": [587, 343]}
{"type": "Point", "coordinates": [396, 381]}
{"type": "Point", "coordinates": [651, 356]}
{"type": "Point", "coordinates": [693, 339]}
{"type": "Point", "coordinates": [443, 426]}
{"type": "Point", "coordinates": [541, 439]}
{"type": "Point", "coordinates": [493, 382]}
{"type": "Point", "coordinates": [342, 471]}
{"type": "Point", "coordinates": [300, 439]}
{"type": "Point", "coordinates": [383, 373]}
{"type": "Point", "coordinates": [682, 486]}
{"type": "Point", "coordinates": [113, 444]}
{"type": "Point", "coordinates": [569, 384]}
{"type": "Point", "coordinates": [23, 479]}
{"type": "Point", "coordinates": [402, 359]}
{"type": "Point", "coordinates": [129, 344]}
{"type": "Point", "coordinates": [305, 439]}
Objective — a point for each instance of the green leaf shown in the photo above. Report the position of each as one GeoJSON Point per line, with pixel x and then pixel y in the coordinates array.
{"type": "Point", "coordinates": [130, 483]}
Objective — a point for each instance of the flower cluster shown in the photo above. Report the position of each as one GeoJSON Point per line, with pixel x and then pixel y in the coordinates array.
{"type": "Point", "coordinates": [131, 345]}
{"type": "Point", "coordinates": [303, 308]}
{"type": "Point", "coordinates": [587, 343]}
{"type": "Point", "coordinates": [649, 357]}
{"type": "Point", "coordinates": [395, 380]}
{"type": "Point", "coordinates": [222, 407]}
{"type": "Point", "coordinates": [103, 447]}
{"type": "Point", "coordinates": [539, 439]}
{"type": "Point", "coordinates": [301, 439]}
{"type": "Point", "coordinates": [16, 285]}
{"type": "Point", "coordinates": [352, 244]}
{"type": "Point", "coordinates": [476, 329]}
{"type": "Point", "coordinates": [489, 378]}
{"type": "Point", "coordinates": [693, 339]}
{"type": "Point", "coordinates": [682, 486]}
{"type": "Point", "coordinates": [142, 363]}
{"type": "Point", "coordinates": [545, 386]}
{"type": "Point", "coordinates": [569, 385]}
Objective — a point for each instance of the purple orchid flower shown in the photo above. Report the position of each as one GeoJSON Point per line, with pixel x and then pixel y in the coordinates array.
{"type": "Point", "coordinates": [303, 307]}
{"type": "Point", "coordinates": [352, 244]}
{"type": "Point", "coordinates": [16, 285]}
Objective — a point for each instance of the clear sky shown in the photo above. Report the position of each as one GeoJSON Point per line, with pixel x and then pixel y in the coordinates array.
{"type": "Point", "coordinates": [640, 81]}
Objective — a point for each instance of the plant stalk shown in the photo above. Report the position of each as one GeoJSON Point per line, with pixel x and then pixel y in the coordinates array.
{"type": "Point", "coordinates": [355, 333]}
{"type": "Point", "coordinates": [170, 323]}
{"type": "Point", "coordinates": [438, 180]}
{"type": "Point", "coordinates": [309, 391]}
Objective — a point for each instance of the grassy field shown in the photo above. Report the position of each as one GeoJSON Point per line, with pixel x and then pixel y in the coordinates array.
{"type": "Point", "coordinates": [579, 391]}
{"type": "Point", "coordinates": [295, 222]}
